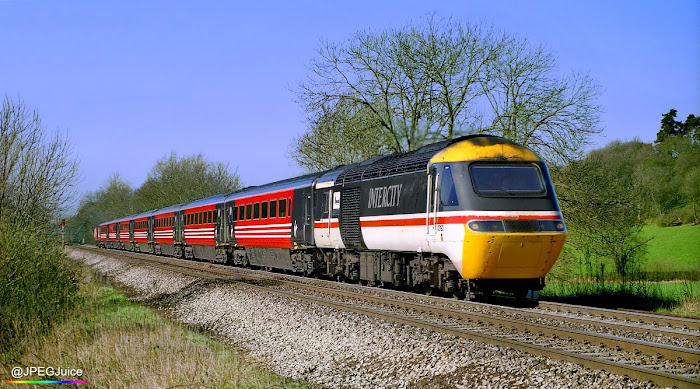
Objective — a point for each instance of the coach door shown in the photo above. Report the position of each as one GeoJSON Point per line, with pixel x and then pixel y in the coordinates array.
{"type": "Point", "coordinates": [322, 216]}
{"type": "Point", "coordinates": [231, 217]}
{"type": "Point", "coordinates": [178, 224]}
{"type": "Point", "coordinates": [150, 223]}
{"type": "Point", "coordinates": [220, 224]}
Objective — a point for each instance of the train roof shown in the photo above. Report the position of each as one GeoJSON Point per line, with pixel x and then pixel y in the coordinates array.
{"type": "Point", "coordinates": [377, 167]}
{"type": "Point", "coordinates": [290, 183]}
{"type": "Point", "coordinates": [205, 201]}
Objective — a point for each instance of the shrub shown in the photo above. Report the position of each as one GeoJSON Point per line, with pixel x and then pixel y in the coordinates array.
{"type": "Point", "coordinates": [38, 287]}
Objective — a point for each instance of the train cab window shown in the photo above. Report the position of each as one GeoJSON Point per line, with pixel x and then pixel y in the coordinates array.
{"type": "Point", "coordinates": [283, 207]}
{"type": "Point", "coordinates": [263, 210]}
{"type": "Point", "coordinates": [241, 212]}
{"type": "Point", "coordinates": [507, 180]}
{"type": "Point", "coordinates": [256, 211]}
{"type": "Point", "coordinates": [448, 192]}
{"type": "Point", "coordinates": [248, 211]}
{"type": "Point", "coordinates": [273, 209]}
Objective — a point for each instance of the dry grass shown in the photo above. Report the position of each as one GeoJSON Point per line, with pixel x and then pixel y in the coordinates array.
{"type": "Point", "coordinates": [119, 344]}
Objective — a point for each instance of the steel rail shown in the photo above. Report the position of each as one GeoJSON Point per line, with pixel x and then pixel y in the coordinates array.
{"type": "Point", "coordinates": [617, 314]}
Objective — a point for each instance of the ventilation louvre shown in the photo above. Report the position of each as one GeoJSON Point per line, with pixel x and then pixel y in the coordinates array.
{"type": "Point", "coordinates": [350, 219]}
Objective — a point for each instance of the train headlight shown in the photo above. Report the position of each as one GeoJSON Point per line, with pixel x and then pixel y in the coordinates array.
{"type": "Point", "coordinates": [486, 226]}
{"type": "Point", "coordinates": [551, 226]}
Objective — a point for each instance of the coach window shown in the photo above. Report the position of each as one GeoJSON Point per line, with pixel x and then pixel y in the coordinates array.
{"type": "Point", "coordinates": [256, 211]}
{"type": "Point", "coordinates": [248, 211]}
{"type": "Point", "coordinates": [283, 208]}
{"type": "Point", "coordinates": [241, 212]}
{"type": "Point", "coordinates": [273, 208]}
{"type": "Point", "coordinates": [263, 210]}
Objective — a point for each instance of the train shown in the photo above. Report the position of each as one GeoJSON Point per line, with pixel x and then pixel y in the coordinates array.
{"type": "Point", "coordinates": [469, 217]}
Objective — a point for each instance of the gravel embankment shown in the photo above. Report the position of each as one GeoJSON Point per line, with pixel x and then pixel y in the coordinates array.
{"type": "Point", "coordinates": [333, 348]}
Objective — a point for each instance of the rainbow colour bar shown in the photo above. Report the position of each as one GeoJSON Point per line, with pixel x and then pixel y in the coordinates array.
{"type": "Point", "coordinates": [45, 382]}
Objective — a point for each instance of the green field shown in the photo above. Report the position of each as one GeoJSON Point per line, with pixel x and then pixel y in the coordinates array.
{"type": "Point", "coordinates": [672, 248]}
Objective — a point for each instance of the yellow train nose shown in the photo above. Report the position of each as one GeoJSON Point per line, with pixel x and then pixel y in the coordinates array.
{"type": "Point", "coordinates": [510, 255]}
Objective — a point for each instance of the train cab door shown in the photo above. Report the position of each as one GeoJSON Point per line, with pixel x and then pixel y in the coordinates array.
{"type": "Point", "coordinates": [432, 197]}
{"type": "Point", "coordinates": [131, 230]}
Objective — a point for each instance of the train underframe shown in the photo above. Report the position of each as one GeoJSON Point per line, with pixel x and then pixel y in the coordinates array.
{"type": "Point", "coordinates": [422, 272]}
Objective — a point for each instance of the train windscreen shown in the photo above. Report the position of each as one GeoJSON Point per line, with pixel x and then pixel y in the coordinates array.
{"type": "Point", "coordinates": [507, 180]}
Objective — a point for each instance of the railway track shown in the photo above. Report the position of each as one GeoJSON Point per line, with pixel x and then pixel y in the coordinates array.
{"type": "Point", "coordinates": [552, 331]}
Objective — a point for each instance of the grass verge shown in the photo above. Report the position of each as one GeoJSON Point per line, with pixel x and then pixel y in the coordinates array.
{"type": "Point", "coordinates": [680, 298]}
{"type": "Point", "coordinates": [120, 344]}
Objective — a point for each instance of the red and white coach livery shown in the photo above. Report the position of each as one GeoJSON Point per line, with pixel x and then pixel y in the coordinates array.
{"type": "Point", "coordinates": [476, 213]}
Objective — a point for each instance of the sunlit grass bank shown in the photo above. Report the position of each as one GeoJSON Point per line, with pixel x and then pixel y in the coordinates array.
{"type": "Point", "coordinates": [119, 344]}
{"type": "Point", "coordinates": [672, 248]}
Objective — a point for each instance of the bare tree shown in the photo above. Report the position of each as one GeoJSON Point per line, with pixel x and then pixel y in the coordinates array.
{"type": "Point", "coordinates": [326, 144]}
{"type": "Point", "coordinates": [439, 79]}
{"type": "Point", "coordinates": [602, 203]}
{"type": "Point", "coordinates": [532, 106]}
{"type": "Point", "coordinates": [37, 172]}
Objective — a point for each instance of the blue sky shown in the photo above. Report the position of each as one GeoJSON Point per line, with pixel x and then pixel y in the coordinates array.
{"type": "Point", "coordinates": [131, 81]}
